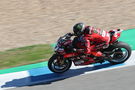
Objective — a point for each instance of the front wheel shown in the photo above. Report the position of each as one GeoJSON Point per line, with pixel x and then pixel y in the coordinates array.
{"type": "Point", "coordinates": [59, 66]}
{"type": "Point", "coordinates": [122, 52]}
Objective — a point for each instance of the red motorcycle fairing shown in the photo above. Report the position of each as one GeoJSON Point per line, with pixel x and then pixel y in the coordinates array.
{"type": "Point", "coordinates": [59, 49]}
{"type": "Point", "coordinates": [85, 61]}
{"type": "Point", "coordinates": [67, 43]}
{"type": "Point", "coordinates": [68, 55]}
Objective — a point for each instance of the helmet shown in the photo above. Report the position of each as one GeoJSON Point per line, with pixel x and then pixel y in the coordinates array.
{"type": "Point", "coordinates": [78, 29]}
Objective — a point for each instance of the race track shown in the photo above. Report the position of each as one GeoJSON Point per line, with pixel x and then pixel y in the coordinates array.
{"type": "Point", "coordinates": [94, 76]}
{"type": "Point", "coordinates": [118, 79]}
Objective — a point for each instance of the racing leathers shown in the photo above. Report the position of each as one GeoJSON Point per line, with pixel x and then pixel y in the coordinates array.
{"type": "Point", "coordinates": [92, 40]}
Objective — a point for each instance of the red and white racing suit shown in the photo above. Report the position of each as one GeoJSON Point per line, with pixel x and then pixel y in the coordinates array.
{"type": "Point", "coordinates": [93, 39]}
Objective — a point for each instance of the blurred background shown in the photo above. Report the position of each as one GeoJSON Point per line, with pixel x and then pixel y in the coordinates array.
{"type": "Point", "coordinates": [28, 22]}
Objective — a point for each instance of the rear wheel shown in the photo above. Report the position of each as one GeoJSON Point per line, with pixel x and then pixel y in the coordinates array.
{"type": "Point", "coordinates": [122, 52]}
{"type": "Point", "coordinates": [59, 66]}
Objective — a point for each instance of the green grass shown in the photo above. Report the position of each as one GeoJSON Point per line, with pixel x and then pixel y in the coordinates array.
{"type": "Point", "coordinates": [25, 55]}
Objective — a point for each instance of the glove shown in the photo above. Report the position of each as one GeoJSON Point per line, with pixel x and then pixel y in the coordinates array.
{"type": "Point", "coordinates": [70, 34]}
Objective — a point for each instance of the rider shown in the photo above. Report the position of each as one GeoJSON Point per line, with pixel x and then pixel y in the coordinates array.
{"type": "Point", "coordinates": [90, 40]}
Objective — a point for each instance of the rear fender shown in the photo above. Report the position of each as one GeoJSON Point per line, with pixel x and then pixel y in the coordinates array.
{"type": "Point", "coordinates": [115, 36]}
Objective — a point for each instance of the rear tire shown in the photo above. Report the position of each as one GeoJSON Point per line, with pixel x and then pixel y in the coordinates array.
{"type": "Point", "coordinates": [122, 59]}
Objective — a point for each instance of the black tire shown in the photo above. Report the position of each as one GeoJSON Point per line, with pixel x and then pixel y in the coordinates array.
{"type": "Point", "coordinates": [128, 51]}
{"type": "Point", "coordinates": [51, 61]}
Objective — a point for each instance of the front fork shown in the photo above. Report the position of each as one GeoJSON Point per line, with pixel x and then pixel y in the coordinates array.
{"type": "Point", "coordinates": [60, 59]}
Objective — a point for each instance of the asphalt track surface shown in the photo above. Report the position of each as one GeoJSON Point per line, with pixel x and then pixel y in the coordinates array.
{"type": "Point", "coordinates": [112, 79]}
{"type": "Point", "coordinates": [117, 79]}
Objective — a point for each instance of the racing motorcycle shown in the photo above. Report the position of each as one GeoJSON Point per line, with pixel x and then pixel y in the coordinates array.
{"type": "Point", "coordinates": [61, 61]}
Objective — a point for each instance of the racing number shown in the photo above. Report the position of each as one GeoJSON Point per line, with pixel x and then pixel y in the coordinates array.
{"type": "Point", "coordinates": [103, 33]}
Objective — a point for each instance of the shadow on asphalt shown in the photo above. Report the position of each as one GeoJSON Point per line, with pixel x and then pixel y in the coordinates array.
{"type": "Point", "coordinates": [53, 77]}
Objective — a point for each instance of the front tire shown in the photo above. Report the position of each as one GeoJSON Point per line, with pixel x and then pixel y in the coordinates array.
{"type": "Point", "coordinates": [122, 52]}
{"type": "Point", "coordinates": [55, 67]}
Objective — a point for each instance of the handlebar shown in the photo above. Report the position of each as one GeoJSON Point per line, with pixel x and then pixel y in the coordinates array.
{"type": "Point", "coordinates": [68, 35]}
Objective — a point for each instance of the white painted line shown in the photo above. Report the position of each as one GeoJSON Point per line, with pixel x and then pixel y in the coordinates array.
{"type": "Point", "coordinates": [5, 78]}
